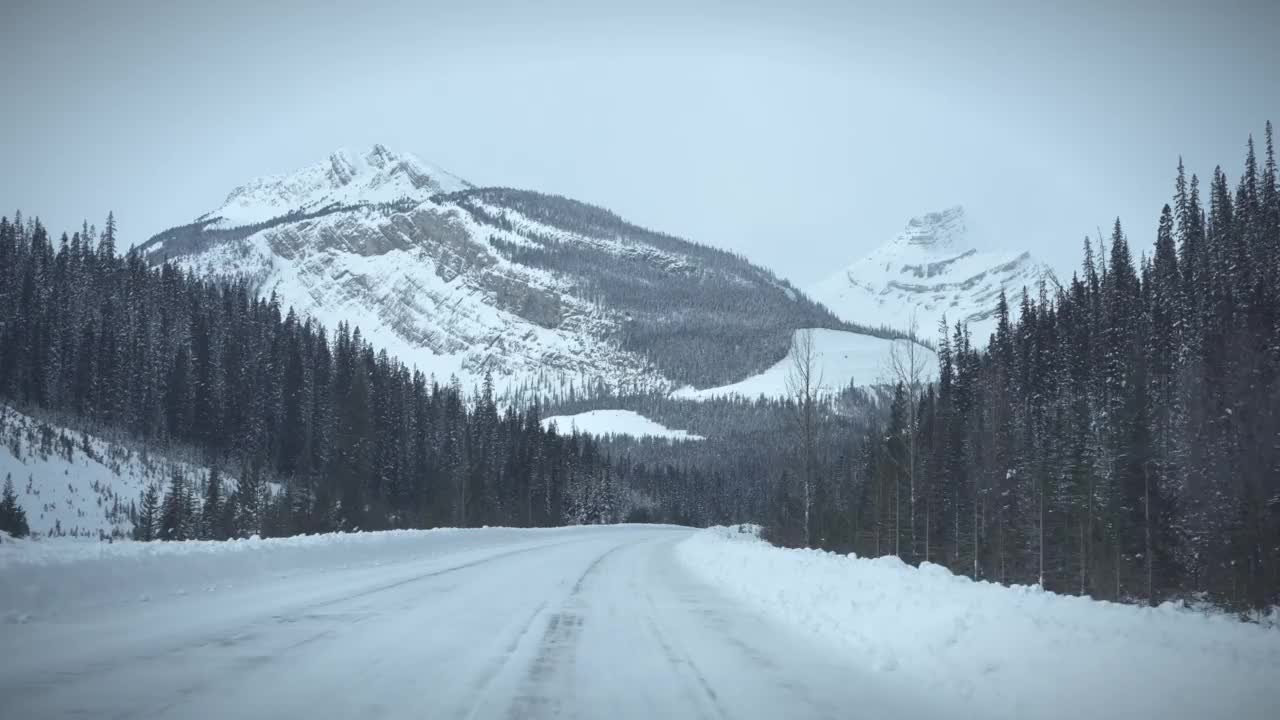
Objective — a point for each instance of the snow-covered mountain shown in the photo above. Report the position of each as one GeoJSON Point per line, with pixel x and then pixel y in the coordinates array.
{"type": "Point", "coordinates": [347, 178]}
{"type": "Point", "coordinates": [538, 289]}
{"type": "Point", "coordinates": [934, 267]}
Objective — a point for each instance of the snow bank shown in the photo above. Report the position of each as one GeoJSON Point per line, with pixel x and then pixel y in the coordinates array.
{"type": "Point", "coordinates": [616, 422]}
{"type": "Point", "coordinates": [1014, 652]}
{"type": "Point", "coordinates": [59, 577]}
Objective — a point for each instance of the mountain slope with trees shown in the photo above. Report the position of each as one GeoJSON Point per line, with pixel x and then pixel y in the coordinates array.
{"type": "Point", "coordinates": [1120, 439]}
{"type": "Point", "coordinates": [321, 431]}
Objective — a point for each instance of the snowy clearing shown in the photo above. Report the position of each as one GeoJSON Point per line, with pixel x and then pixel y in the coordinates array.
{"type": "Point", "coordinates": [616, 422]}
{"type": "Point", "coordinates": [843, 357]}
{"type": "Point", "coordinates": [75, 484]}
{"type": "Point", "coordinates": [1013, 652]}
{"type": "Point", "coordinates": [492, 623]}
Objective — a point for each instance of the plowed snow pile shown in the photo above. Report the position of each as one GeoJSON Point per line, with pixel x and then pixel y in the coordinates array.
{"type": "Point", "coordinates": [1015, 652]}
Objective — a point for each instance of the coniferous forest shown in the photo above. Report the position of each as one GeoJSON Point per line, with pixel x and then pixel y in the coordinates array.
{"type": "Point", "coordinates": [1118, 436]}
{"type": "Point", "coordinates": [321, 431]}
{"type": "Point", "coordinates": [1121, 438]}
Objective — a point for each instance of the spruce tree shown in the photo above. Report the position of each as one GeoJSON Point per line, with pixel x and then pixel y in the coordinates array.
{"type": "Point", "coordinates": [248, 503]}
{"type": "Point", "coordinates": [13, 519]}
{"type": "Point", "coordinates": [174, 519]}
{"type": "Point", "coordinates": [148, 524]}
{"type": "Point", "coordinates": [211, 509]}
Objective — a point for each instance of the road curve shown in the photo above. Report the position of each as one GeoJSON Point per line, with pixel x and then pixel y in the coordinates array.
{"type": "Point", "coordinates": [604, 623]}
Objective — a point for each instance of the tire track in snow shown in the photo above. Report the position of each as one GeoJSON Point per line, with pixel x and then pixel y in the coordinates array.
{"type": "Point", "coordinates": [680, 659]}
{"type": "Point", "coordinates": [555, 657]}
{"type": "Point", "coordinates": [434, 574]}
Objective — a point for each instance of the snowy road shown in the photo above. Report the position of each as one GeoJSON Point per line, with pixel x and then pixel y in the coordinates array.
{"type": "Point", "coordinates": [594, 622]}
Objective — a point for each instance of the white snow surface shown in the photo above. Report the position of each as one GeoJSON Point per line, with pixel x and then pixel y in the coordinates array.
{"type": "Point", "coordinates": [1002, 652]}
{"type": "Point", "coordinates": [616, 422]}
{"type": "Point", "coordinates": [586, 622]}
{"type": "Point", "coordinates": [842, 357]}
{"type": "Point", "coordinates": [934, 267]}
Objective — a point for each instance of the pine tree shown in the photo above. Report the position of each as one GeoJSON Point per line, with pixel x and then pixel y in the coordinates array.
{"type": "Point", "coordinates": [174, 521]}
{"type": "Point", "coordinates": [248, 503]}
{"type": "Point", "coordinates": [211, 511]}
{"type": "Point", "coordinates": [147, 527]}
{"type": "Point", "coordinates": [107, 243]}
{"type": "Point", "coordinates": [13, 519]}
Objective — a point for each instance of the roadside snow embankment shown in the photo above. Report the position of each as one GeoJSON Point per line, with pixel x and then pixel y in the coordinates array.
{"type": "Point", "coordinates": [1015, 652]}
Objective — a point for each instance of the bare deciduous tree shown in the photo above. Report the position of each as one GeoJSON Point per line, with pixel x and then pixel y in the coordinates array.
{"type": "Point", "coordinates": [804, 385]}
{"type": "Point", "coordinates": [907, 364]}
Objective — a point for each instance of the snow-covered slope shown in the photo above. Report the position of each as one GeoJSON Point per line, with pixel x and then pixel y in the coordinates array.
{"type": "Point", "coordinates": [1011, 652]}
{"type": "Point", "coordinates": [933, 268]}
{"type": "Point", "coordinates": [74, 484]}
{"type": "Point", "coordinates": [615, 422]}
{"type": "Point", "coordinates": [842, 358]}
{"type": "Point", "coordinates": [539, 290]}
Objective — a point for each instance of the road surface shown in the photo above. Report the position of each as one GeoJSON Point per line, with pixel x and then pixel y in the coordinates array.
{"type": "Point", "coordinates": [599, 623]}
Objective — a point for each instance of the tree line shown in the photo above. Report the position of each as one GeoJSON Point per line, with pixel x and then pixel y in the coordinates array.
{"type": "Point", "coordinates": [1120, 438]}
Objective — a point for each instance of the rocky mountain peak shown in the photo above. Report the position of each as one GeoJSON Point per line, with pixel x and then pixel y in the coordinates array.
{"type": "Point", "coordinates": [941, 230]}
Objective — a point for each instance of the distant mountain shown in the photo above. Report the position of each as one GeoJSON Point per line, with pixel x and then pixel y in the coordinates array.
{"type": "Point", "coordinates": [932, 268]}
{"type": "Point", "coordinates": [540, 290]}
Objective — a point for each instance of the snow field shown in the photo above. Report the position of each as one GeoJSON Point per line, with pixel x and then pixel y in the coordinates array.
{"type": "Point", "coordinates": [842, 357]}
{"type": "Point", "coordinates": [1011, 652]}
{"type": "Point", "coordinates": [615, 422]}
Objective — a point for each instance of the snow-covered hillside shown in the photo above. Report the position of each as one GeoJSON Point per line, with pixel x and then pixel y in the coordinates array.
{"type": "Point", "coordinates": [843, 358]}
{"type": "Point", "coordinates": [1011, 652]}
{"type": "Point", "coordinates": [541, 291]}
{"type": "Point", "coordinates": [615, 422]}
{"type": "Point", "coordinates": [74, 484]}
{"type": "Point", "coordinates": [933, 268]}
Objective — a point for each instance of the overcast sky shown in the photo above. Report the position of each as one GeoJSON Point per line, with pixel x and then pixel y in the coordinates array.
{"type": "Point", "coordinates": [802, 134]}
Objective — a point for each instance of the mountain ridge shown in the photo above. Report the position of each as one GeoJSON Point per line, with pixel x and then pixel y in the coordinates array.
{"type": "Point", "coordinates": [539, 290]}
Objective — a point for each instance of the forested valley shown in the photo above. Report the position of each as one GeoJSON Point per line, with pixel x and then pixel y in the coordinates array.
{"type": "Point", "coordinates": [321, 431]}
{"type": "Point", "coordinates": [1116, 437]}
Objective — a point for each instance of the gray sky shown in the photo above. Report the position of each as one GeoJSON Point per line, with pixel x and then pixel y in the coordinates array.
{"type": "Point", "coordinates": [802, 134]}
